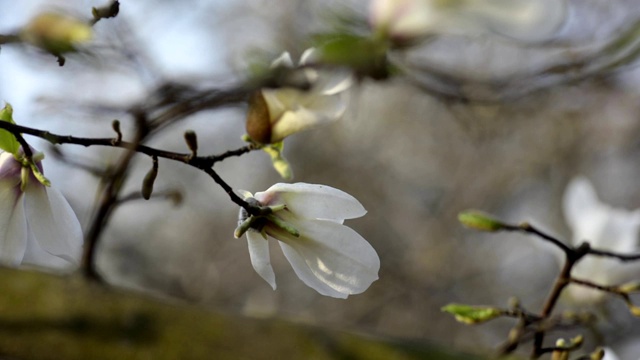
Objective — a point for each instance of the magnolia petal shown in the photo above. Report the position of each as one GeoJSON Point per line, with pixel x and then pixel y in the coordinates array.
{"type": "Point", "coordinates": [336, 255]}
{"type": "Point", "coordinates": [402, 18]}
{"type": "Point", "coordinates": [260, 259]}
{"type": "Point", "coordinates": [579, 198]}
{"type": "Point", "coordinates": [284, 60]}
{"type": "Point", "coordinates": [326, 108]}
{"type": "Point", "coordinates": [307, 276]}
{"type": "Point", "coordinates": [13, 226]}
{"type": "Point", "coordinates": [53, 223]}
{"type": "Point", "coordinates": [35, 255]}
{"type": "Point", "coordinates": [609, 354]}
{"type": "Point", "coordinates": [10, 169]}
{"type": "Point", "coordinates": [313, 201]}
{"type": "Point", "coordinates": [339, 82]}
{"type": "Point", "coordinates": [293, 121]}
{"type": "Point", "coordinates": [281, 100]}
{"type": "Point", "coordinates": [620, 231]}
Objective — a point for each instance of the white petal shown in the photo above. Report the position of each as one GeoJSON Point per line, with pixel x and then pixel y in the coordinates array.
{"type": "Point", "coordinates": [283, 60]}
{"type": "Point", "coordinates": [53, 223]}
{"type": "Point", "coordinates": [307, 276]}
{"type": "Point", "coordinates": [35, 255]}
{"type": "Point", "coordinates": [609, 354]}
{"type": "Point", "coordinates": [313, 201]}
{"type": "Point", "coordinates": [326, 108]}
{"type": "Point", "coordinates": [309, 56]}
{"type": "Point", "coordinates": [260, 259]}
{"type": "Point", "coordinates": [402, 18]}
{"type": "Point", "coordinates": [335, 255]}
{"type": "Point", "coordinates": [13, 225]}
{"type": "Point", "coordinates": [293, 121]}
{"type": "Point", "coordinates": [339, 81]}
{"type": "Point", "coordinates": [579, 199]}
{"type": "Point", "coordinates": [281, 100]}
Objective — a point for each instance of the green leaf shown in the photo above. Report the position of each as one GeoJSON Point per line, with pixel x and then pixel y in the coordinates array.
{"type": "Point", "coordinates": [472, 314]}
{"type": "Point", "coordinates": [479, 220]}
{"type": "Point", "coordinates": [281, 164]}
{"type": "Point", "coordinates": [8, 142]}
{"type": "Point", "coordinates": [364, 55]}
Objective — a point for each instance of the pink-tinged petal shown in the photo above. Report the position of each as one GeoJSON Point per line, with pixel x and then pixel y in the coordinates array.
{"type": "Point", "coordinates": [9, 168]}
{"type": "Point", "coordinates": [313, 201]}
{"type": "Point", "coordinates": [13, 226]}
{"type": "Point", "coordinates": [53, 223]}
{"type": "Point", "coordinates": [260, 259]}
{"type": "Point", "coordinates": [336, 255]}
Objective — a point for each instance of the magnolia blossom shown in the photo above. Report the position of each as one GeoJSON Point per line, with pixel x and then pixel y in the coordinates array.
{"type": "Point", "coordinates": [525, 20]}
{"type": "Point", "coordinates": [326, 255]}
{"type": "Point", "coordinates": [609, 354]}
{"type": "Point", "coordinates": [605, 228]}
{"type": "Point", "coordinates": [277, 113]}
{"type": "Point", "coordinates": [37, 225]}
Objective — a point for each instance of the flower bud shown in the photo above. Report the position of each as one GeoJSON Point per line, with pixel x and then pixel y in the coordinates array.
{"type": "Point", "coordinates": [149, 180]}
{"type": "Point", "coordinates": [56, 33]}
{"type": "Point", "coordinates": [191, 139]}
{"type": "Point", "coordinates": [258, 119]}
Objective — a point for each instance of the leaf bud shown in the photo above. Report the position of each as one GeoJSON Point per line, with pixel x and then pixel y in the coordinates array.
{"type": "Point", "coordinates": [479, 220]}
{"type": "Point", "coordinates": [149, 179]}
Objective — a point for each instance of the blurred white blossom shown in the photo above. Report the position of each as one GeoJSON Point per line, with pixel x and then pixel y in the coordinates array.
{"type": "Point", "coordinates": [277, 113]}
{"type": "Point", "coordinates": [37, 225]}
{"type": "Point", "coordinates": [605, 228]}
{"type": "Point", "coordinates": [524, 20]}
{"type": "Point", "coordinates": [609, 354]}
{"type": "Point", "coordinates": [328, 256]}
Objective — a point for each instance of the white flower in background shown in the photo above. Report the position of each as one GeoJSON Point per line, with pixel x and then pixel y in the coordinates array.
{"type": "Point", "coordinates": [605, 228]}
{"type": "Point", "coordinates": [326, 255]}
{"type": "Point", "coordinates": [524, 20]}
{"type": "Point", "coordinates": [609, 354]}
{"type": "Point", "coordinates": [277, 113]}
{"type": "Point", "coordinates": [37, 225]}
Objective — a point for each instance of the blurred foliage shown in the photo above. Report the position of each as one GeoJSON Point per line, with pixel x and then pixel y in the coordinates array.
{"type": "Point", "coordinates": [44, 316]}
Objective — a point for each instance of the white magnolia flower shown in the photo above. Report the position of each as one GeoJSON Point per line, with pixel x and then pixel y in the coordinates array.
{"type": "Point", "coordinates": [328, 256]}
{"type": "Point", "coordinates": [37, 225]}
{"type": "Point", "coordinates": [525, 20]}
{"type": "Point", "coordinates": [609, 354]}
{"type": "Point", "coordinates": [605, 228]}
{"type": "Point", "coordinates": [277, 113]}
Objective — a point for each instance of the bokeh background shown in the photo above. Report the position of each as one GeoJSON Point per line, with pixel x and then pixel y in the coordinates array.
{"type": "Point", "coordinates": [413, 159]}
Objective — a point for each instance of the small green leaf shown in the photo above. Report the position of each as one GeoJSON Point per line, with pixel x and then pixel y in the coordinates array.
{"type": "Point", "coordinates": [8, 142]}
{"type": "Point", "coordinates": [281, 164]}
{"type": "Point", "coordinates": [472, 314]}
{"type": "Point", "coordinates": [364, 55]}
{"type": "Point", "coordinates": [479, 220]}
